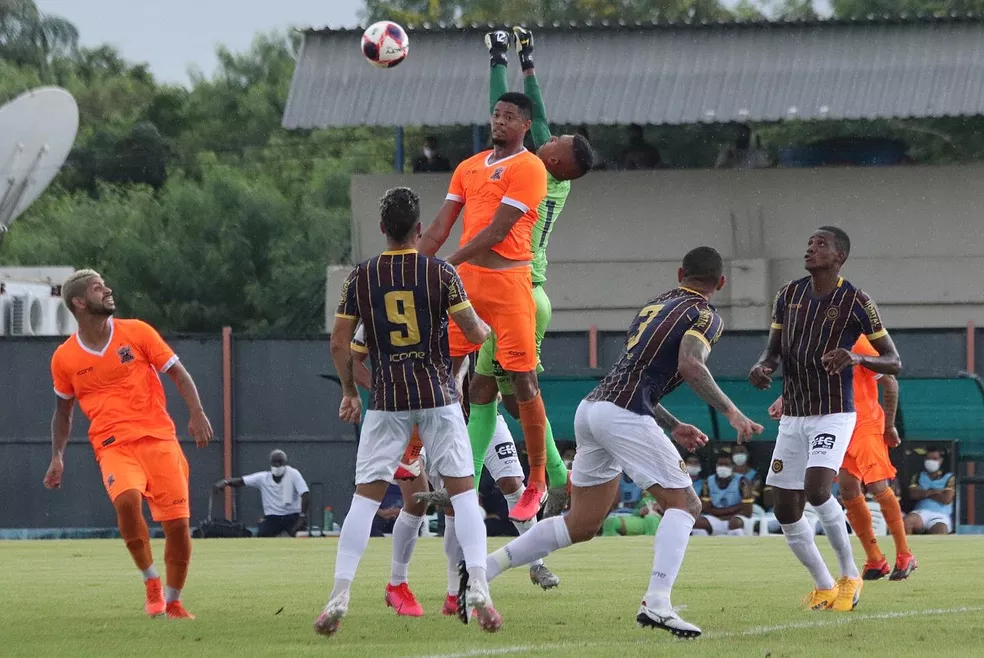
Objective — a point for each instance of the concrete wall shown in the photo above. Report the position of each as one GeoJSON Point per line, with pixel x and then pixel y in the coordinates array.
{"type": "Point", "coordinates": [918, 243]}
{"type": "Point", "coordinates": [281, 400]}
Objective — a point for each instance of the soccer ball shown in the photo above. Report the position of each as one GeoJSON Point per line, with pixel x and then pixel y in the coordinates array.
{"type": "Point", "coordinates": [385, 44]}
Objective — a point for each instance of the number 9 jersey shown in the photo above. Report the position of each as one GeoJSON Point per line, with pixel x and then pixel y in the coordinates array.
{"type": "Point", "coordinates": [647, 368]}
{"type": "Point", "coordinates": [403, 300]}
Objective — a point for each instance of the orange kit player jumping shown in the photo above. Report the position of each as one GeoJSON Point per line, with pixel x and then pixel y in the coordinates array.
{"type": "Point", "coordinates": [500, 191]}
{"type": "Point", "coordinates": [111, 367]}
{"type": "Point", "coordinates": [867, 462]}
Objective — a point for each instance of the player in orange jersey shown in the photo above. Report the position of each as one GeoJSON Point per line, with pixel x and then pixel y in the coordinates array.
{"type": "Point", "coordinates": [867, 462]}
{"type": "Point", "coordinates": [500, 191]}
{"type": "Point", "coordinates": [111, 367]}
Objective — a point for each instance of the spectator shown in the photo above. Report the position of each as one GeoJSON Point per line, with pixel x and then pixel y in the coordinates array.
{"type": "Point", "coordinates": [726, 499]}
{"type": "Point", "coordinates": [639, 154]}
{"type": "Point", "coordinates": [430, 159]}
{"type": "Point", "coordinates": [744, 153]}
{"type": "Point", "coordinates": [630, 491]}
{"type": "Point", "coordinates": [740, 456]}
{"type": "Point", "coordinates": [932, 492]}
{"type": "Point", "coordinates": [568, 456]}
{"type": "Point", "coordinates": [598, 162]}
{"type": "Point", "coordinates": [389, 509]}
{"type": "Point", "coordinates": [283, 492]}
{"type": "Point", "coordinates": [694, 469]}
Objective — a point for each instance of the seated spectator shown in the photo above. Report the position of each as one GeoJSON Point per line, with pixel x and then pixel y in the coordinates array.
{"type": "Point", "coordinates": [283, 493]}
{"type": "Point", "coordinates": [745, 152]}
{"type": "Point", "coordinates": [694, 469]}
{"type": "Point", "coordinates": [726, 499]}
{"type": "Point", "coordinates": [932, 492]}
{"type": "Point", "coordinates": [639, 154]}
{"type": "Point", "coordinates": [740, 456]}
{"type": "Point", "coordinates": [389, 509]}
{"type": "Point", "coordinates": [630, 492]}
{"type": "Point", "coordinates": [643, 520]}
{"type": "Point", "coordinates": [430, 159]}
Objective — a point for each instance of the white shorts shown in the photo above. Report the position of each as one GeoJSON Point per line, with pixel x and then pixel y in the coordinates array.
{"type": "Point", "coordinates": [612, 440]}
{"type": "Point", "coordinates": [931, 518]}
{"type": "Point", "coordinates": [718, 526]}
{"type": "Point", "coordinates": [809, 442]}
{"type": "Point", "coordinates": [385, 435]}
{"type": "Point", "coordinates": [501, 458]}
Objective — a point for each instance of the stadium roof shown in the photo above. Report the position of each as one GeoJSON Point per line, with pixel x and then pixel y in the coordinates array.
{"type": "Point", "coordinates": [658, 73]}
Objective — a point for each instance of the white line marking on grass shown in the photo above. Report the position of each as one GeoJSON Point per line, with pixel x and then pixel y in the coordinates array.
{"type": "Point", "coordinates": [756, 630]}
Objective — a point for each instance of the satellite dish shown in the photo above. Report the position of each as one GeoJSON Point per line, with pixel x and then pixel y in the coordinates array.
{"type": "Point", "coordinates": [37, 130]}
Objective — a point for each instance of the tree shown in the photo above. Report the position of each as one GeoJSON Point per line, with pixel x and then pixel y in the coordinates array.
{"type": "Point", "coordinates": [860, 8]}
{"type": "Point", "coordinates": [30, 38]}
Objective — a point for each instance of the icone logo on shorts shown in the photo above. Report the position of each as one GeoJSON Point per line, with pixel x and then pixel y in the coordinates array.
{"type": "Point", "coordinates": [505, 450]}
{"type": "Point", "coordinates": [823, 442]}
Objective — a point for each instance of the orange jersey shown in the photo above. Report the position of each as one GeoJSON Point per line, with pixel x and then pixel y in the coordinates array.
{"type": "Point", "coordinates": [871, 416]}
{"type": "Point", "coordinates": [118, 389]}
{"type": "Point", "coordinates": [519, 181]}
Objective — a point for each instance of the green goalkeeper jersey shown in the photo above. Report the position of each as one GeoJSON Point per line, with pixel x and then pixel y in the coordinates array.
{"type": "Point", "coordinates": [557, 190]}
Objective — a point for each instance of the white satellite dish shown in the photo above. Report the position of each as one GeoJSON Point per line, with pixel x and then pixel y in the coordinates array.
{"type": "Point", "coordinates": [37, 130]}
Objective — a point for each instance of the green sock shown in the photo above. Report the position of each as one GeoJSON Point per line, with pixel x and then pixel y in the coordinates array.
{"type": "Point", "coordinates": [481, 427]}
{"type": "Point", "coordinates": [611, 525]}
{"type": "Point", "coordinates": [556, 470]}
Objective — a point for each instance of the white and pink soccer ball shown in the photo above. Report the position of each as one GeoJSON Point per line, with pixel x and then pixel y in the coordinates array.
{"type": "Point", "coordinates": [385, 44]}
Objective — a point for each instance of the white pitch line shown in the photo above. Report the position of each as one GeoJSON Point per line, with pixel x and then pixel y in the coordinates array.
{"type": "Point", "coordinates": [757, 630]}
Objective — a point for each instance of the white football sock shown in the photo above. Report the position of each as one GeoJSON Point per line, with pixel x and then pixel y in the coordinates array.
{"type": "Point", "coordinates": [353, 540]}
{"type": "Point", "coordinates": [834, 526]}
{"type": "Point", "coordinates": [405, 532]}
{"type": "Point", "coordinates": [452, 549]}
{"type": "Point", "coordinates": [669, 547]}
{"type": "Point", "coordinates": [545, 537]}
{"type": "Point", "coordinates": [171, 595]}
{"type": "Point", "coordinates": [469, 526]}
{"type": "Point", "coordinates": [149, 573]}
{"type": "Point", "coordinates": [800, 538]}
{"type": "Point", "coordinates": [522, 526]}
{"type": "Point", "coordinates": [736, 532]}
{"type": "Point", "coordinates": [697, 532]}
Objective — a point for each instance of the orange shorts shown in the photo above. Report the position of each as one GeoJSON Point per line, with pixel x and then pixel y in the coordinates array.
{"type": "Point", "coordinates": [867, 458]}
{"type": "Point", "coordinates": [504, 299]}
{"type": "Point", "coordinates": [157, 468]}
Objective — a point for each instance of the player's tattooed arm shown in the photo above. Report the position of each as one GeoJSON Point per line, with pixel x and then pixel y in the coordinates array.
{"type": "Point", "coordinates": [437, 233]}
{"type": "Point", "coordinates": [472, 326]}
{"type": "Point", "coordinates": [665, 419]}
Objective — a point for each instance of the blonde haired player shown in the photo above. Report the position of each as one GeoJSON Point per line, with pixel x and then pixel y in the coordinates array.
{"type": "Point", "coordinates": [111, 367]}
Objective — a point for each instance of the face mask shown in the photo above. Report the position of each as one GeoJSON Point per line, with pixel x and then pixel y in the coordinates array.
{"type": "Point", "coordinates": [278, 470]}
{"type": "Point", "coordinates": [693, 469]}
{"type": "Point", "coordinates": [723, 472]}
{"type": "Point", "coordinates": [932, 465]}
{"type": "Point", "coordinates": [739, 458]}
{"type": "Point", "coordinates": [428, 153]}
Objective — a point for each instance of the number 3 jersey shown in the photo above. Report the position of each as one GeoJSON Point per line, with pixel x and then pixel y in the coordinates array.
{"type": "Point", "coordinates": [647, 368]}
{"type": "Point", "coordinates": [403, 300]}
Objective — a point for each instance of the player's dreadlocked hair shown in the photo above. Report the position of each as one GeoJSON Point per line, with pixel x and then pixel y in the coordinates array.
{"type": "Point", "coordinates": [583, 155]}
{"type": "Point", "coordinates": [399, 210]}
{"type": "Point", "coordinates": [520, 100]}
{"type": "Point", "coordinates": [842, 242]}
{"type": "Point", "coordinates": [703, 264]}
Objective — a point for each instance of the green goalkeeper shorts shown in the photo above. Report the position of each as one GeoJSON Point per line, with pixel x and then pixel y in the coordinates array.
{"type": "Point", "coordinates": [488, 366]}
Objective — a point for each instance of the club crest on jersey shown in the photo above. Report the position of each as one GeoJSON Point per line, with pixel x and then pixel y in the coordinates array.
{"type": "Point", "coordinates": [111, 480]}
{"type": "Point", "coordinates": [832, 313]}
{"type": "Point", "coordinates": [125, 355]}
{"type": "Point", "coordinates": [683, 466]}
{"type": "Point", "coordinates": [777, 466]}
{"type": "Point", "coordinates": [497, 174]}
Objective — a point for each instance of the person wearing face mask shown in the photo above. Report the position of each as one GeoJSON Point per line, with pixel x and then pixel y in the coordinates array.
{"type": "Point", "coordinates": [284, 493]}
{"type": "Point", "coordinates": [726, 498]}
{"type": "Point", "coordinates": [933, 491]}
{"type": "Point", "coordinates": [430, 160]}
{"type": "Point", "coordinates": [694, 468]}
{"type": "Point", "coordinates": [740, 456]}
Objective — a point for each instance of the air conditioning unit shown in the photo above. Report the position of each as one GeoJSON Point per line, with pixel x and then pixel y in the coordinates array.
{"type": "Point", "coordinates": [26, 316]}
{"type": "Point", "coordinates": [57, 320]}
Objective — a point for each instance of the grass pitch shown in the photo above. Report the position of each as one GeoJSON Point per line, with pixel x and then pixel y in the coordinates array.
{"type": "Point", "coordinates": [257, 597]}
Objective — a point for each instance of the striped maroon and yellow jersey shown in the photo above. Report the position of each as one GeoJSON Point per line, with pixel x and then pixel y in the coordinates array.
{"type": "Point", "coordinates": [647, 368]}
{"type": "Point", "coordinates": [403, 300]}
{"type": "Point", "coordinates": [811, 327]}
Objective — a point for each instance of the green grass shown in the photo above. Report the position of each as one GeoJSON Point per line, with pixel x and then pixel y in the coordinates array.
{"type": "Point", "coordinates": [260, 597]}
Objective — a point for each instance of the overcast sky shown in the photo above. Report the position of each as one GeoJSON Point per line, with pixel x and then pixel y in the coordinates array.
{"type": "Point", "coordinates": [172, 35]}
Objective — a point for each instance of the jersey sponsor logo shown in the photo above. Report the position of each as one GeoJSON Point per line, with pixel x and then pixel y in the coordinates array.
{"type": "Point", "coordinates": [109, 441]}
{"type": "Point", "coordinates": [777, 466]}
{"type": "Point", "coordinates": [703, 319]}
{"type": "Point", "coordinates": [872, 312]}
{"type": "Point", "coordinates": [405, 356]}
{"type": "Point", "coordinates": [497, 174]}
{"type": "Point", "coordinates": [84, 371]}
{"type": "Point", "coordinates": [124, 354]}
{"type": "Point", "coordinates": [832, 313]}
{"type": "Point", "coordinates": [516, 353]}
{"type": "Point", "coordinates": [823, 442]}
{"type": "Point", "coordinates": [505, 450]}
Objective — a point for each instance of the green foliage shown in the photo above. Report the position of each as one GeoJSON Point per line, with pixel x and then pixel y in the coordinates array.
{"type": "Point", "coordinates": [859, 8]}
